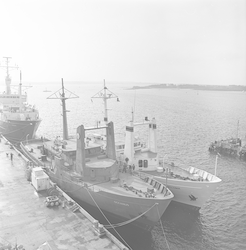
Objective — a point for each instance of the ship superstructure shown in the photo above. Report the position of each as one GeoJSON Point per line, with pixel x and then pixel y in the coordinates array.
{"type": "Point", "coordinates": [191, 186]}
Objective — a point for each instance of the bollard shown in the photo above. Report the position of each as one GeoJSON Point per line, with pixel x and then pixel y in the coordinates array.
{"type": "Point", "coordinates": [101, 230]}
{"type": "Point", "coordinates": [95, 224]}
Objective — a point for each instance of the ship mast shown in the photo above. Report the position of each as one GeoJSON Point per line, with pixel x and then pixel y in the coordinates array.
{"type": "Point", "coordinates": [63, 94]}
{"type": "Point", "coordinates": [8, 79]}
{"type": "Point", "coordinates": [105, 94]}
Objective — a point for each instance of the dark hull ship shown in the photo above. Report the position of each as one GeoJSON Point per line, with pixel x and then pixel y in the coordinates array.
{"type": "Point", "coordinates": [88, 174]}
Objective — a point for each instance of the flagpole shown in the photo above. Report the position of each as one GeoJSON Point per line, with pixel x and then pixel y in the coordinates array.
{"type": "Point", "coordinates": [215, 167]}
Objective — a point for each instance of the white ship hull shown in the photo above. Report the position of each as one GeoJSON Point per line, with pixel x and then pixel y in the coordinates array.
{"type": "Point", "coordinates": [192, 194]}
{"type": "Point", "coordinates": [191, 186]}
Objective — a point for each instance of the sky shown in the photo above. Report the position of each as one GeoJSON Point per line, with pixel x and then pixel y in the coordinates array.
{"type": "Point", "coordinates": [143, 41]}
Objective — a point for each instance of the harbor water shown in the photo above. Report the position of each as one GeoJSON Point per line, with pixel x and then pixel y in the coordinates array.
{"type": "Point", "coordinates": [187, 122]}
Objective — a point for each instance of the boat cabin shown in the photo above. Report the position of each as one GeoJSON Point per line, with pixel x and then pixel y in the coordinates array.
{"type": "Point", "coordinates": [83, 157]}
{"type": "Point", "coordinates": [12, 100]}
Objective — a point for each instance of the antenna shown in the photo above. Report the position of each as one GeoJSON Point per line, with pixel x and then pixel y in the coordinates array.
{"type": "Point", "coordinates": [63, 94]}
{"type": "Point", "coordinates": [216, 163]}
{"type": "Point", "coordinates": [7, 66]}
{"type": "Point", "coordinates": [105, 94]}
{"type": "Point", "coordinates": [133, 116]}
{"type": "Point", "coordinates": [237, 129]}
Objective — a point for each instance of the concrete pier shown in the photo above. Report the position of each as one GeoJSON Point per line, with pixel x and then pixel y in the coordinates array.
{"type": "Point", "coordinates": [25, 220]}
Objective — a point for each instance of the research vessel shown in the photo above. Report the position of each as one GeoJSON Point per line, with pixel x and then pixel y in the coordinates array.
{"type": "Point", "coordinates": [18, 120]}
{"type": "Point", "coordinates": [88, 174]}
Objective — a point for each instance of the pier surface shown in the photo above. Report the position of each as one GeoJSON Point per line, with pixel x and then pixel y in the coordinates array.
{"type": "Point", "coordinates": [25, 220]}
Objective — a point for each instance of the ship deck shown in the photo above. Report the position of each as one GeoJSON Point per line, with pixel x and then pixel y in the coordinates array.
{"type": "Point", "coordinates": [26, 220]}
{"type": "Point", "coordinates": [133, 184]}
{"type": "Point", "coordinates": [174, 172]}
{"type": "Point", "coordinates": [127, 185]}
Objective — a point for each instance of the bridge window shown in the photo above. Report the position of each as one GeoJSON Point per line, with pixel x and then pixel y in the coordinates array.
{"type": "Point", "coordinates": [140, 163]}
{"type": "Point", "coordinates": [145, 163]}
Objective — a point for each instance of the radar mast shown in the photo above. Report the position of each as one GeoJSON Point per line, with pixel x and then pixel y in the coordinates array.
{"type": "Point", "coordinates": [105, 94]}
{"type": "Point", "coordinates": [63, 94]}
{"type": "Point", "coordinates": [7, 78]}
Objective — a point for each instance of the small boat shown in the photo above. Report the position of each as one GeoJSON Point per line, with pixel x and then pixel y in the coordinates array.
{"type": "Point", "coordinates": [46, 90]}
{"type": "Point", "coordinates": [191, 186]}
{"type": "Point", "coordinates": [18, 120]}
{"type": "Point", "coordinates": [233, 147]}
{"type": "Point", "coordinates": [80, 168]}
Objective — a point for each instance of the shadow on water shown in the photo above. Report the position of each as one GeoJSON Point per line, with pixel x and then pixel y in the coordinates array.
{"type": "Point", "coordinates": [177, 225]}
{"type": "Point", "coordinates": [133, 237]}
{"type": "Point", "coordinates": [180, 227]}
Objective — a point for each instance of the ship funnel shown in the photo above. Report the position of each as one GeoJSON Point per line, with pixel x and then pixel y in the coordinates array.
{"type": "Point", "coordinates": [129, 142]}
{"type": "Point", "coordinates": [243, 141]}
{"type": "Point", "coordinates": [8, 83]}
{"type": "Point", "coordinates": [110, 149]}
{"type": "Point", "coordinates": [80, 153]}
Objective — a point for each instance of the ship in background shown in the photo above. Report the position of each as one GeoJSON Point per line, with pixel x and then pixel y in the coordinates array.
{"type": "Point", "coordinates": [232, 147]}
{"type": "Point", "coordinates": [18, 120]}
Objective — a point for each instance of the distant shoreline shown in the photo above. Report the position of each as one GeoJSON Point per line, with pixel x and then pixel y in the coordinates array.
{"type": "Point", "coordinates": [193, 86]}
